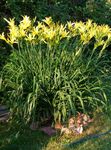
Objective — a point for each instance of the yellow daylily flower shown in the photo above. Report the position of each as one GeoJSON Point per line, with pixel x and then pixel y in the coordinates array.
{"type": "Point", "coordinates": [2, 36]}
{"type": "Point", "coordinates": [14, 31]}
{"type": "Point", "coordinates": [22, 33]}
{"type": "Point", "coordinates": [89, 24]}
{"type": "Point", "coordinates": [25, 23]}
{"type": "Point", "coordinates": [62, 32]}
{"type": "Point", "coordinates": [98, 43]}
{"type": "Point", "coordinates": [30, 37]}
{"type": "Point", "coordinates": [109, 36]}
{"type": "Point", "coordinates": [35, 31]}
{"type": "Point", "coordinates": [69, 25]}
{"type": "Point", "coordinates": [48, 20]}
{"type": "Point", "coordinates": [11, 22]}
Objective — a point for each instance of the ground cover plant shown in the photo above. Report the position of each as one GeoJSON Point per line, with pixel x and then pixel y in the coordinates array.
{"type": "Point", "coordinates": [55, 70]}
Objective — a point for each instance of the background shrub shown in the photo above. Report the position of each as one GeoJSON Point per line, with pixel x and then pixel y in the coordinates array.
{"type": "Point", "coordinates": [59, 10]}
{"type": "Point", "coordinates": [98, 10]}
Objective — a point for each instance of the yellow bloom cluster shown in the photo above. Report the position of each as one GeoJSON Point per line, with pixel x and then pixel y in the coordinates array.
{"type": "Point", "coordinates": [49, 32]}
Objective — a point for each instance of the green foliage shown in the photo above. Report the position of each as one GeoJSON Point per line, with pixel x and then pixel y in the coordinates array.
{"type": "Point", "coordinates": [55, 70]}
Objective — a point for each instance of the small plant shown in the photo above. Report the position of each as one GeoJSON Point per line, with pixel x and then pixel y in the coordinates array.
{"type": "Point", "coordinates": [55, 70]}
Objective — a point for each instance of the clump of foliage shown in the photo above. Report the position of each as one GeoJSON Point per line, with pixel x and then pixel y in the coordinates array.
{"type": "Point", "coordinates": [55, 70]}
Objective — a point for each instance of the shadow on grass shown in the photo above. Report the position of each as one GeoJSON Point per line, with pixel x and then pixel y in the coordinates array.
{"type": "Point", "coordinates": [15, 139]}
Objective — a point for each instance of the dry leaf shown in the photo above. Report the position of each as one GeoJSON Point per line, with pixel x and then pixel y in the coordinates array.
{"type": "Point", "coordinates": [58, 126]}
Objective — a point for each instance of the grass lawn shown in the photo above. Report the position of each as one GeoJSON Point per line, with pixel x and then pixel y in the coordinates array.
{"type": "Point", "coordinates": [13, 139]}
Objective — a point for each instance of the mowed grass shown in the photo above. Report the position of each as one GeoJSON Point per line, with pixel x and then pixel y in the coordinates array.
{"type": "Point", "coordinates": [25, 139]}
